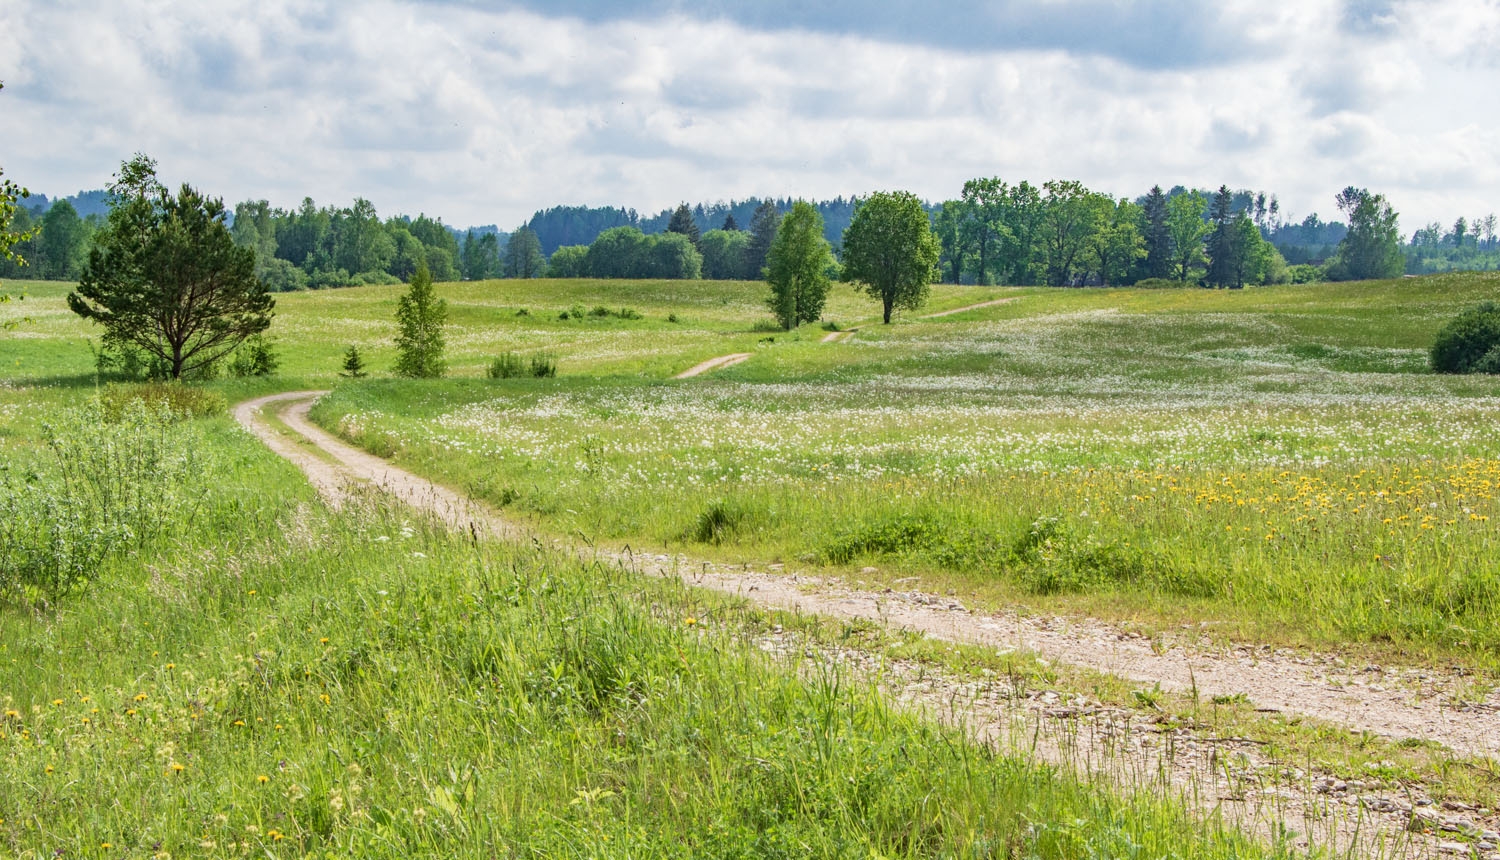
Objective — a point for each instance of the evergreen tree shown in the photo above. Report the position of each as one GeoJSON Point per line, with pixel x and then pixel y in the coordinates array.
{"type": "Point", "coordinates": [797, 267]}
{"type": "Point", "coordinates": [354, 363]}
{"type": "Point", "coordinates": [420, 316]}
{"type": "Point", "coordinates": [165, 277]}
{"type": "Point", "coordinates": [730, 225]}
{"type": "Point", "coordinates": [523, 255]}
{"type": "Point", "coordinates": [684, 224]}
{"type": "Point", "coordinates": [1156, 233]}
{"type": "Point", "coordinates": [1223, 242]}
{"type": "Point", "coordinates": [762, 233]}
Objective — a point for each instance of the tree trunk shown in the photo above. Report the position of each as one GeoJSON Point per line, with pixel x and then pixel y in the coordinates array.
{"type": "Point", "coordinates": [887, 304]}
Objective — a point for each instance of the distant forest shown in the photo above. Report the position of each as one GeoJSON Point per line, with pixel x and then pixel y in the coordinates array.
{"type": "Point", "coordinates": [314, 247]}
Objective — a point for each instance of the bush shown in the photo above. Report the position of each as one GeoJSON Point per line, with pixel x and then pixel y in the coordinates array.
{"type": "Point", "coordinates": [767, 325]}
{"type": "Point", "coordinates": [1304, 274]}
{"type": "Point", "coordinates": [254, 357]}
{"type": "Point", "coordinates": [171, 398]}
{"type": "Point", "coordinates": [114, 483]}
{"type": "Point", "coordinates": [1490, 363]}
{"type": "Point", "coordinates": [1465, 342]}
{"type": "Point", "coordinates": [374, 279]}
{"type": "Point", "coordinates": [1159, 284]}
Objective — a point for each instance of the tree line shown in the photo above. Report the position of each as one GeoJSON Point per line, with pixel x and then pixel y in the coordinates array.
{"type": "Point", "coordinates": [995, 232]}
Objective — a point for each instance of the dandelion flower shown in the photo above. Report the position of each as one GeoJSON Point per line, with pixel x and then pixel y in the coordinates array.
{"type": "Point", "coordinates": [262, 779]}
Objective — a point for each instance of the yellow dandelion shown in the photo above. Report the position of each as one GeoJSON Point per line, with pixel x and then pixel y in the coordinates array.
{"type": "Point", "coordinates": [239, 722]}
{"type": "Point", "coordinates": [690, 621]}
{"type": "Point", "coordinates": [106, 845]}
{"type": "Point", "coordinates": [141, 697]}
{"type": "Point", "coordinates": [130, 712]}
{"type": "Point", "coordinates": [13, 714]}
{"type": "Point", "coordinates": [324, 698]}
{"type": "Point", "coordinates": [178, 767]}
{"type": "Point", "coordinates": [323, 641]}
{"type": "Point", "coordinates": [262, 779]}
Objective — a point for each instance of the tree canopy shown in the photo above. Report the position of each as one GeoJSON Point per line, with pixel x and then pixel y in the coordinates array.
{"type": "Point", "coordinates": [164, 276]}
{"type": "Point", "coordinates": [890, 249]}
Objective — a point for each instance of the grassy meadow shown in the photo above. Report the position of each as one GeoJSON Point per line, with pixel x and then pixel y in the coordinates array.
{"type": "Point", "coordinates": [252, 674]}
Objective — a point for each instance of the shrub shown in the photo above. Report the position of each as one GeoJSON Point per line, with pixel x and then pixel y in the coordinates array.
{"type": "Point", "coordinates": [254, 357]}
{"type": "Point", "coordinates": [1304, 274]}
{"type": "Point", "coordinates": [172, 398]}
{"type": "Point", "coordinates": [1159, 284]}
{"type": "Point", "coordinates": [898, 535]}
{"type": "Point", "coordinates": [1465, 342]}
{"type": "Point", "coordinates": [1490, 363]}
{"type": "Point", "coordinates": [767, 325]}
{"type": "Point", "coordinates": [113, 483]}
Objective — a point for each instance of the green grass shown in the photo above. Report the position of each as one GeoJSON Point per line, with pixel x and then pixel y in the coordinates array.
{"type": "Point", "coordinates": [273, 679]}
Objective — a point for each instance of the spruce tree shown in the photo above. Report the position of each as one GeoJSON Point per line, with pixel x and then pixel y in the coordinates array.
{"type": "Point", "coordinates": [420, 316]}
{"type": "Point", "coordinates": [762, 233]}
{"type": "Point", "coordinates": [1157, 234]}
{"type": "Point", "coordinates": [1222, 242]}
{"type": "Point", "coordinates": [730, 225]}
{"type": "Point", "coordinates": [354, 363]}
{"type": "Point", "coordinates": [682, 222]}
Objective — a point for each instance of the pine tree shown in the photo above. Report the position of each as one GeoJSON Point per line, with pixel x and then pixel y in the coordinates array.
{"type": "Point", "coordinates": [354, 364]}
{"type": "Point", "coordinates": [683, 222]}
{"type": "Point", "coordinates": [1157, 234]}
{"type": "Point", "coordinates": [762, 233]}
{"type": "Point", "coordinates": [420, 315]}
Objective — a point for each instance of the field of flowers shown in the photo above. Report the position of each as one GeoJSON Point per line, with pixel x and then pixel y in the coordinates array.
{"type": "Point", "coordinates": [260, 676]}
{"type": "Point", "coordinates": [1284, 471]}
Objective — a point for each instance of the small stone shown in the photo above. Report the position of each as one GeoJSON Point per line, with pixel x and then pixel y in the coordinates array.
{"type": "Point", "coordinates": [1485, 846]}
{"type": "Point", "coordinates": [869, 570]}
{"type": "Point", "coordinates": [1453, 848]}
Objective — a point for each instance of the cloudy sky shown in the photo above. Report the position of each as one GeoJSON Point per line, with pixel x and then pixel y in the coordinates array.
{"type": "Point", "coordinates": [482, 112]}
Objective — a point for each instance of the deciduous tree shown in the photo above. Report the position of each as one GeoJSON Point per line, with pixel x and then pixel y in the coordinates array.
{"type": "Point", "coordinates": [420, 316]}
{"type": "Point", "coordinates": [165, 277]}
{"type": "Point", "coordinates": [1070, 217]}
{"type": "Point", "coordinates": [1187, 227]}
{"type": "Point", "coordinates": [1117, 243]}
{"type": "Point", "coordinates": [1372, 247]}
{"type": "Point", "coordinates": [889, 248]}
{"type": "Point", "coordinates": [797, 267]}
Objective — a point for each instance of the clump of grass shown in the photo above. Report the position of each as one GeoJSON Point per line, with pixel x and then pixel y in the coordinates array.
{"type": "Point", "coordinates": [622, 313]}
{"type": "Point", "coordinates": [765, 325]}
{"type": "Point", "coordinates": [717, 522]}
{"type": "Point", "coordinates": [507, 365]}
{"type": "Point", "coordinates": [511, 366]}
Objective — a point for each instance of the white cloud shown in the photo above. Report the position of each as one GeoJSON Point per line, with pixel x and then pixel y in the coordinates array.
{"type": "Point", "coordinates": [484, 116]}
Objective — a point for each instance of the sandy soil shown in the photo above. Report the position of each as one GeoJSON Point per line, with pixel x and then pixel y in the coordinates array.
{"type": "Point", "coordinates": [973, 307]}
{"type": "Point", "coordinates": [712, 364]}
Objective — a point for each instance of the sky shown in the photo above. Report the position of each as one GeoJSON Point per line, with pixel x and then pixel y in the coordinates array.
{"type": "Point", "coordinates": [483, 112]}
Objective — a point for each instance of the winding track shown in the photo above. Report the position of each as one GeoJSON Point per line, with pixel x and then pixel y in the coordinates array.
{"type": "Point", "coordinates": [1393, 703]}
{"type": "Point", "coordinates": [712, 364]}
{"type": "Point", "coordinates": [973, 307]}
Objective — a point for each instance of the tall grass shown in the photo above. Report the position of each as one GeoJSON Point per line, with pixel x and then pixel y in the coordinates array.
{"type": "Point", "coordinates": [361, 683]}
